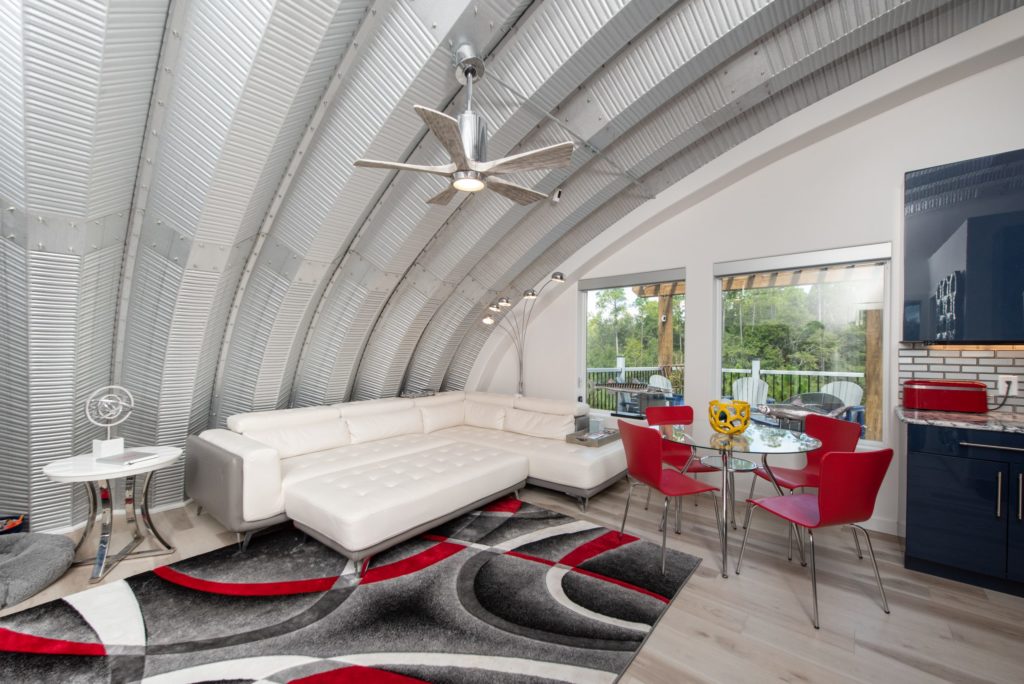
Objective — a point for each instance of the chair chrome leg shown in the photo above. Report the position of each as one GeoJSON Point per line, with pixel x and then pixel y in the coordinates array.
{"type": "Point", "coordinates": [629, 495]}
{"type": "Point", "coordinates": [856, 542]}
{"type": "Point", "coordinates": [647, 504]}
{"type": "Point", "coordinates": [743, 544]}
{"type": "Point", "coordinates": [664, 535]}
{"type": "Point", "coordinates": [814, 578]}
{"type": "Point", "coordinates": [878, 577]}
{"type": "Point", "coordinates": [789, 555]}
{"type": "Point", "coordinates": [732, 498]}
{"type": "Point", "coordinates": [679, 515]}
{"type": "Point", "coordinates": [753, 481]}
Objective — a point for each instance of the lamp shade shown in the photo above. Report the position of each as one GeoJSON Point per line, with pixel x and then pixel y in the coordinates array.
{"type": "Point", "coordinates": [530, 294]}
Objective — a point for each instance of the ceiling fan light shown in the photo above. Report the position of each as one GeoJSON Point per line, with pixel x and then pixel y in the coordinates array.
{"type": "Point", "coordinates": [493, 307]}
{"type": "Point", "coordinates": [488, 320]}
{"type": "Point", "coordinates": [558, 277]}
{"type": "Point", "coordinates": [467, 181]}
{"type": "Point", "coordinates": [504, 301]}
{"type": "Point", "coordinates": [530, 294]}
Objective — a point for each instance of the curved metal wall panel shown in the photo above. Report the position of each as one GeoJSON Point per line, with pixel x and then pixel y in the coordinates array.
{"type": "Point", "coordinates": [77, 79]}
{"type": "Point", "coordinates": [654, 68]}
{"type": "Point", "coordinates": [243, 85]}
{"type": "Point", "coordinates": [550, 52]}
{"type": "Point", "coordinates": [825, 67]}
{"type": "Point", "coordinates": [404, 60]}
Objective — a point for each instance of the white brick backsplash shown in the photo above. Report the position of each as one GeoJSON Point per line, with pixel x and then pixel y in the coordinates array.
{"type": "Point", "coordinates": [921, 362]}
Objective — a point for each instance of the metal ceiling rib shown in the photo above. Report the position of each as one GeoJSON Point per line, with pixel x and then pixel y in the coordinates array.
{"type": "Point", "coordinates": [862, 50]}
{"type": "Point", "coordinates": [549, 54]}
{"type": "Point", "coordinates": [804, 46]}
{"type": "Point", "coordinates": [666, 59]}
{"type": "Point", "coordinates": [404, 60]}
{"type": "Point", "coordinates": [236, 95]}
{"type": "Point", "coordinates": [76, 80]}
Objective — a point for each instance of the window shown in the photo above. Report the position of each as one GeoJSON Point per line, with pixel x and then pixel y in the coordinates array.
{"type": "Point", "coordinates": [810, 336]}
{"type": "Point", "coordinates": [634, 341]}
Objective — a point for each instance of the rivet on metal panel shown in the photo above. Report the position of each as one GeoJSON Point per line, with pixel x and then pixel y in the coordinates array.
{"type": "Point", "coordinates": [39, 218]}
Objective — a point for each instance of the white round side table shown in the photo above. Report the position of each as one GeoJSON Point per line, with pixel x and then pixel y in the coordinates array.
{"type": "Point", "coordinates": [96, 475]}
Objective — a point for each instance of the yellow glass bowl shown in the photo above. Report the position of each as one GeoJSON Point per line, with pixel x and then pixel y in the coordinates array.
{"type": "Point", "coordinates": [729, 417]}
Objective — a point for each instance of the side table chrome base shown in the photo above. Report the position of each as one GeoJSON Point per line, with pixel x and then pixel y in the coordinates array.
{"type": "Point", "coordinates": [100, 502]}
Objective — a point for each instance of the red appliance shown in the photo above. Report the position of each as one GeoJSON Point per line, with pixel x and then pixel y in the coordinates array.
{"type": "Point", "coordinates": [967, 396]}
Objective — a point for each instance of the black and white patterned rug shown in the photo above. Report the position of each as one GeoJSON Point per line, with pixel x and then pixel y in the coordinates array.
{"type": "Point", "coordinates": [508, 593]}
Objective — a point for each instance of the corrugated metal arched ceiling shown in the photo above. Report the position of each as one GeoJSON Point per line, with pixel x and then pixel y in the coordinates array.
{"type": "Point", "coordinates": [180, 172]}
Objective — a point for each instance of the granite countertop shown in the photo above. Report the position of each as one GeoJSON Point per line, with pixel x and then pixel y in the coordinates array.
{"type": "Point", "coordinates": [997, 421]}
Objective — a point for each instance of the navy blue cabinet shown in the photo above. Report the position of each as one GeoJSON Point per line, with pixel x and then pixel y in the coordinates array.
{"type": "Point", "coordinates": [965, 513]}
{"type": "Point", "coordinates": [1015, 522]}
{"type": "Point", "coordinates": [951, 512]}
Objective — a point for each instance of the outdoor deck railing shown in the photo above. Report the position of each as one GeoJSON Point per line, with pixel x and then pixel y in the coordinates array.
{"type": "Point", "coordinates": [782, 384]}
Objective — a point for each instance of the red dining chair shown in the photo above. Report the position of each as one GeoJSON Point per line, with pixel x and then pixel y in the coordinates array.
{"type": "Point", "coordinates": [643, 448]}
{"type": "Point", "coordinates": [679, 456]}
{"type": "Point", "coordinates": [834, 435]}
{"type": "Point", "coordinates": [848, 483]}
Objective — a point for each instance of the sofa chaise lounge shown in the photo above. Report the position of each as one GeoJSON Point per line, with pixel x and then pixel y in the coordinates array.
{"type": "Point", "coordinates": [363, 476]}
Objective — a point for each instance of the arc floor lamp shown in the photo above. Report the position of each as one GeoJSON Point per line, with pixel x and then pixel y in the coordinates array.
{"type": "Point", "coordinates": [517, 320]}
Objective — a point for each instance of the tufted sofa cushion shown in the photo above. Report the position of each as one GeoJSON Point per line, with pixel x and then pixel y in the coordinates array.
{"type": "Point", "coordinates": [310, 466]}
{"type": "Point", "coordinates": [366, 504]}
{"type": "Point", "coordinates": [551, 460]}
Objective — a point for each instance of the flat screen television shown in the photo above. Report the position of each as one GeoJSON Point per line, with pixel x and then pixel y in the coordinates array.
{"type": "Point", "coordinates": [963, 264]}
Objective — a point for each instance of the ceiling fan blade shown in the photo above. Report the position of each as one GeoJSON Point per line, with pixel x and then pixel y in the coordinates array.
{"type": "Point", "coordinates": [446, 129]}
{"type": "Point", "coordinates": [444, 170]}
{"type": "Point", "coordinates": [516, 193]}
{"type": "Point", "coordinates": [443, 197]}
{"type": "Point", "coordinates": [551, 157]}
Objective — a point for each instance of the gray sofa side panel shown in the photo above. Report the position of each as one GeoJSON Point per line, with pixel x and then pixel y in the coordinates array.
{"type": "Point", "coordinates": [213, 479]}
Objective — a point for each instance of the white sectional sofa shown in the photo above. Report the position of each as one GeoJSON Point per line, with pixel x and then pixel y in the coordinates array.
{"type": "Point", "coordinates": [362, 476]}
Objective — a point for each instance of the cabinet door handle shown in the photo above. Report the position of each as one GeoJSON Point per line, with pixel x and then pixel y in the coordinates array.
{"type": "Point", "coordinates": [999, 495]}
{"type": "Point", "coordinates": [991, 446]}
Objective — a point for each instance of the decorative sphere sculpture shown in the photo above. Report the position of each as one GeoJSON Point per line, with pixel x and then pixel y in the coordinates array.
{"type": "Point", "coordinates": [109, 406]}
{"type": "Point", "coordinates": [729, 417]}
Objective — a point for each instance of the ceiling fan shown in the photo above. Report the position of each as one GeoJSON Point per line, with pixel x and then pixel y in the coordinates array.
{"type": "Point", "coordinates": [465, 139]}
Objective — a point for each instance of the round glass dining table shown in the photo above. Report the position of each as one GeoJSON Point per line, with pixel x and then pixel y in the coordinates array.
{"type": "Point", "coordinates": [756, 439]}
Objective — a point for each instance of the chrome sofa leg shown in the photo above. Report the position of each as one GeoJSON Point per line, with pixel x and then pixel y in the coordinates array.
{"type": "Point", "coordinates": [243, 540]}
{"type": "Point", "coordinates": [199, 511]}
{"type": "Point", "coordinates": [878, 577]}
{"type": "Point", "coordinates": [582, 502]}
{"type": "Point", "coordinates": [814, 578]}
{"type": "Point", "coordinates": [647, 504]}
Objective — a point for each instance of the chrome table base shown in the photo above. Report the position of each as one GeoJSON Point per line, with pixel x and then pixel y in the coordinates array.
{"type": "Point", "coordinates": [100, 502]}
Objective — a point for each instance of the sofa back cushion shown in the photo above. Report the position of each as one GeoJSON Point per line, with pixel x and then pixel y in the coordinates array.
{"type": "Point", "coordinates": [491, 398]}
{"type": "Point", "coordinates": [441, 416]}
{"type": "Point", "coordinates": [374, 426]}
{"type": "Point", "coordinates": [536, 424]}
{"type": "Point", "coordinates": [293, 432]}
{"type": "Point", "coordinates": [553, 406]}
{"type": "Point", "coordinates": [485, 415]}
{"type": "Point", "coordinates": [372, 407]}
{"type": "Point", "coordinates": [440, 398]}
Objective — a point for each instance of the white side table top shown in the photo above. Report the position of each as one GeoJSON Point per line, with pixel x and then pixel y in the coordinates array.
{"type": "Point", "coordinates": [85, 468]}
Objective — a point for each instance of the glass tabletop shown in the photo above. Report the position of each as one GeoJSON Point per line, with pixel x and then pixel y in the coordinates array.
{"type": "Point", "coordinates": [756, 439]}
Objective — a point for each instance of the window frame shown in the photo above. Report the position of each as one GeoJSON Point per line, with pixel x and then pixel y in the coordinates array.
{"type": "Point", "coordinates": [878, 252]}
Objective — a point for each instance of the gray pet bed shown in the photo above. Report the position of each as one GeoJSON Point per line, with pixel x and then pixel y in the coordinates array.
{"type": "Point", "coordinates": [30, 562]}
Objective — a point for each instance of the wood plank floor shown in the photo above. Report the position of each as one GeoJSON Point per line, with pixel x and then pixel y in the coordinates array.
{"type": "Point", "coordinates": [756, 627]}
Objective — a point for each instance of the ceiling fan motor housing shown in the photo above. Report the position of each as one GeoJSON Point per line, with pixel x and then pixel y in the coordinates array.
{"type": "Point", "coordinates": [473, 129]}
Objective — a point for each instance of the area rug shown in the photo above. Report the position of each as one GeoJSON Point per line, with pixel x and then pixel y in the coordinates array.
{"type": "Point", "coordinates": [511, 593]}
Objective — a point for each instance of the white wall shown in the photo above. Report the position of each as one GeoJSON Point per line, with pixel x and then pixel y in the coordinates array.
{"type": "Point", "coordinates": [829, 176]}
